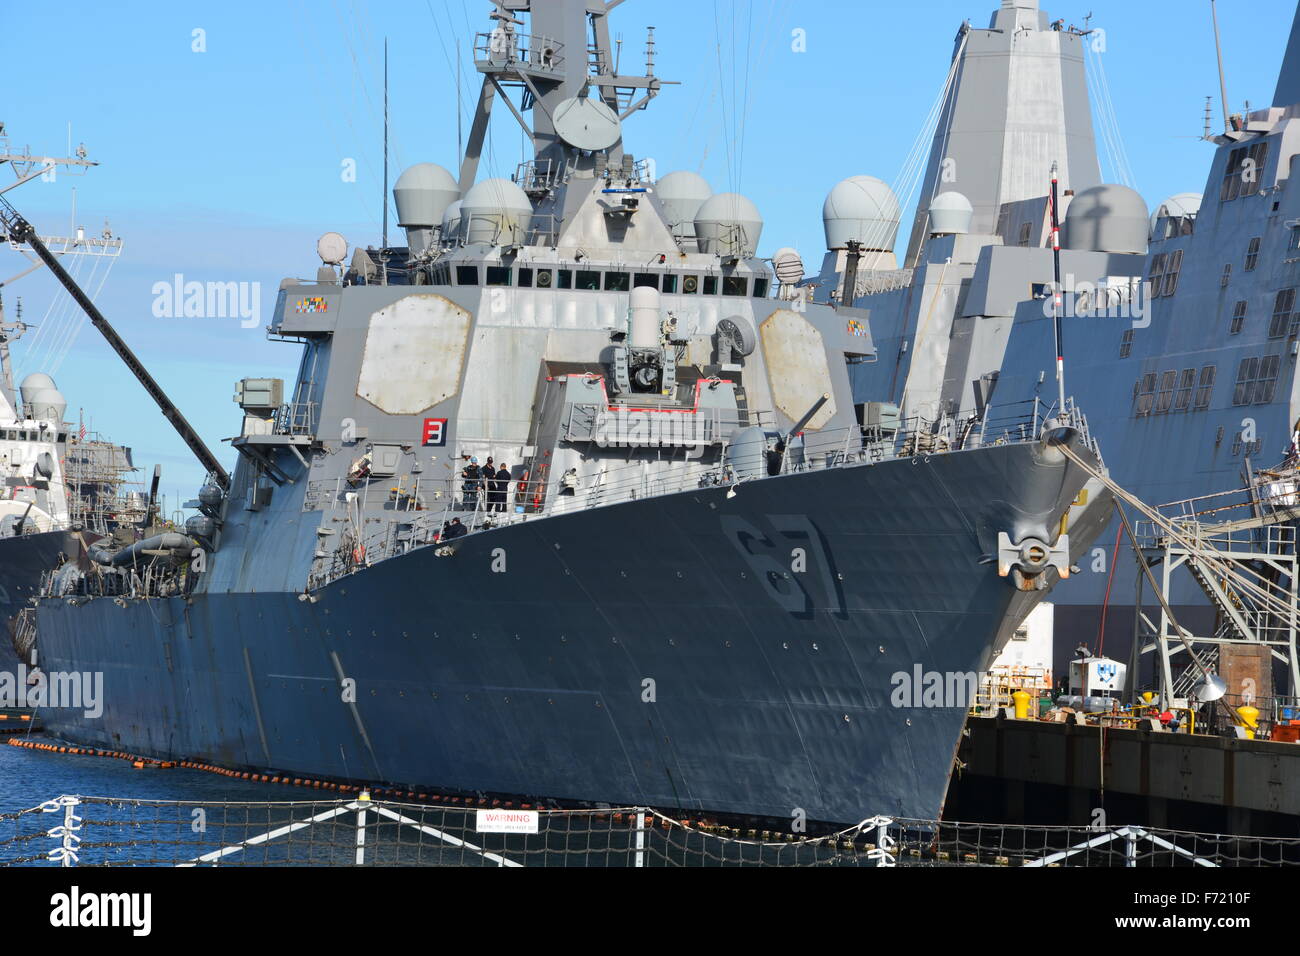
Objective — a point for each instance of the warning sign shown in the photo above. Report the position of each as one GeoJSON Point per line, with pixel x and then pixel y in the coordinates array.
{"type": "Point", "coordinates": [507, 821]}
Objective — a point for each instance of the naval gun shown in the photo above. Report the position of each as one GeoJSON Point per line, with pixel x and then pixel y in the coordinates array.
{"type": "Point", "coordinates": [755, 451]}
{"type": "Point", "coordinates": [20, 230]}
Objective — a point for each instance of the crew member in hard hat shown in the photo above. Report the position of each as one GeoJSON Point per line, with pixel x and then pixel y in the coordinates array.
{"type": "Point", "coordinates": [472, 477]}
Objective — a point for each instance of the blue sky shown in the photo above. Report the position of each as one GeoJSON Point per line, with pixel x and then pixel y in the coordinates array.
{"type": "Point", "coordinates": [225, 165]}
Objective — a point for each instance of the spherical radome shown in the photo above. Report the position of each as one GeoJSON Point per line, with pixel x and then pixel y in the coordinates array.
{"type": "Point", "coordinates": [1107, 218]}
{"type": "Point", "coordinates": [862, 209]}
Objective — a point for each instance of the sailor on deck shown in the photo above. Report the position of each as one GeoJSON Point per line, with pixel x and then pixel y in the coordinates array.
{"type": "Point", "coordinates": [472, 478]}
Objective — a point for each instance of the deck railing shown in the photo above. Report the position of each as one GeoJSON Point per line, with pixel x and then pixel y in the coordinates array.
{"type": "Point", "coordinates": [426, 511]}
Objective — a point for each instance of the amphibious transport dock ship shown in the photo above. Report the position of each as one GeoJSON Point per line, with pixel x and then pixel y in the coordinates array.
{"type": "Point", "coordinates": [1180, 324]}
{"type": "Point", "coordinates": [570, 499]}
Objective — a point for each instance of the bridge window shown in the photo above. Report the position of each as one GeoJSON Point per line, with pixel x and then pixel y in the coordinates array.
{"type": "Point", "coordinates": [1205, 388]}
{"type": "Point", "coordinates": [710, 285]}
{"type": "Point", "coordinates": [1252, 254]}
{"type": "Point", "coordinates": [588, 280]}
{"type": "Point", "coordinates": [498, 275]}
{"type": "Point", "coordinates": [734, 285]}
{"type": "Point", "coordinates": [1146, 394]}
{"type": "Point", "coordinates": [1238, 317]}
{"type": "Point", "coordinates": [760, 288]}
{"type": "Point", "coordinates": [690, 285]}
{"type": "Point", "coordinates": [565, 277]}
{"type": "Point", "coordinates": [1186, 384]}
{"type": "Point", "coordinates": [1266, 386]}
{"type": "Point", "coordinates": [616, 281]}
{"type": "Point", "coordinates": [1283, 304]}
{"type": "Point", "coordinates": [1126, 344]}
{"type": "Point", "coordinates": [1165, 398]}
{"type": "Point", "coordinates": [1171, 274]}
{"type": "Point", "coordinates": [1247, 382]}
{"type": "Point", "coordinates": [1242, 174]}
{"type": "Point", "coordinates": [525, 278]}
{"type": "Point", "coordinates": [647, 279]}
{"type": "Point", "coordinates": [670, 284]}
{"type": "Point", "coordinates": [467, 275]}
{"type": "Point", "coordinates": [1157, 275]}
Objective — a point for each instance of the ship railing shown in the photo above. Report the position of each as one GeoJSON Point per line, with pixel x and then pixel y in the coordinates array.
{"type": "Point", "coordinates": [1273, 717]}
{"type": "Point", "coordinates": [295, 418]}
{"type": "Point", "coordinates": [502, 48]}
{"type": "Point", "coordinates": [426, 509]}
{"type": "Point", "coordinates": [542, 175]}
{"type": "Point", "coordinates": [1272, 539]}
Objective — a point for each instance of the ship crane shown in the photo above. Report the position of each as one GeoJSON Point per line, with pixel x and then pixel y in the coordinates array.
{"type": "Point", "coordinates": [18, 229]}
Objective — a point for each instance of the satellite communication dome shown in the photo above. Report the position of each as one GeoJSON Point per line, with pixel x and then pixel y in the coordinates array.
{"type": "Point", "coordinates": [451, 221]}
{"type": "Point", "coordinates": [31, 385]}
{"type": "Point", "coordinates": [682, 194]}
{"type": "Point", "coordinates": [46, 405]}
{"type": "Point", "coordinates": [422, 194]}
{"type": "Point", "coordinates": [950, 215]}
{"type": "Point", "coordinates": [728, 225]}
{"type": "Point", "coordinates": [1181, 206]}
{"type": "Point", "coordinates": [498, 212]}
{"type": "Point", "coordinates": [1107, 218]}
{"type": "Point", "coordinates": [864, 209]}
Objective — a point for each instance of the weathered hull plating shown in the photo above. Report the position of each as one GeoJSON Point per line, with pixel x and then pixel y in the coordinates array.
{"type": "Point", "coordinates": [23, 559]}
{"type": "Point", "coordinates": [657, 652]}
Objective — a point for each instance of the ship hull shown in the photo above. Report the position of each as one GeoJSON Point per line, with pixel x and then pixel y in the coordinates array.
{"type": "Point", "coordinates": [695, 651]}
{"type": "Point", "coordinates": [23, 560]}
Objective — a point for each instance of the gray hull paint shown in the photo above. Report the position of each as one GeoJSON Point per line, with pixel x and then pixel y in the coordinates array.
{"type": "Point", "coordinates": [772, 692]}
{"type": "Point", "coordinates": [22, 562]}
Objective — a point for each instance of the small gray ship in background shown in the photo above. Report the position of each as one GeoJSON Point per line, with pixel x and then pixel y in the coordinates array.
{"type": "Point", "coordinates": [1180, 324]}
{"type": "Point", "coordinates": [59, 479]}
{"type": "Point", "coordinates": [572, 499]}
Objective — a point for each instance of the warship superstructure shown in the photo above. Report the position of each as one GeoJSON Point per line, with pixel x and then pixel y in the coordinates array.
{"type": "Point", "coordinates": [571, 498]}
{"type": "Point", "coordinates": [1180, 325]}
{"type": "Point", "coordinates": [59, 481]}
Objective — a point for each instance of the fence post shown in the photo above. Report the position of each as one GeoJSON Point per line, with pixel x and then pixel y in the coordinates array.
{"type": "Point", "coordinates": [640, 838]}
{"type": "Point", "coordinates": [1130, 848]}
{"type": "Point", "coordinates": [361, 827]}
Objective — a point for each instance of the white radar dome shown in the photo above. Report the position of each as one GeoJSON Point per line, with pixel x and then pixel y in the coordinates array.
{"type": "Point", "coordinates": [862, 209]}
{"type": "Point", "coordinates": [451, 221]}
{"type": "Point", "coordinates": [1107, 218]}
{"type": "Point", "coordinates": [950, 215]}
{"type": "Point", "coordinates": [496, 211]}
{"type": "Point", "coordinates": [682, 194]}
{"type": "Point", "coordinates": [1181, 206]}
{"type": "Point", "coordinates": [422, 194]}
{"type": "Point", "coordinates": [728, 225]}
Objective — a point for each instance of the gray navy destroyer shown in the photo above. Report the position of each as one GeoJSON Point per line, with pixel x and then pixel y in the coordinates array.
{"type": "Point", "coordinates": [572, 499]}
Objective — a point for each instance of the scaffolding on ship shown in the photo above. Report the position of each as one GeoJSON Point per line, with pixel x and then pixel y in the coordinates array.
{"type": "Point", "coordinates": [101, 494]}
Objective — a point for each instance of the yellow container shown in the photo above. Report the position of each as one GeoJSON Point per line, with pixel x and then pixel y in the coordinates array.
{"type": "Point", "coordinates": [1249, 717]}
{"type": "Point", "coordinates": [1022, 704]}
